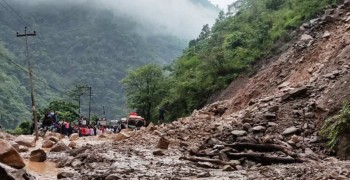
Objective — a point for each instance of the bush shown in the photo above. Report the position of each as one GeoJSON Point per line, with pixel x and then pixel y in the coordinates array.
{"type": "Point", "coordinates": [337, 126]}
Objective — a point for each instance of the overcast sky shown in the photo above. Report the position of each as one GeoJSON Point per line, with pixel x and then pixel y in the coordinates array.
{"type": "Point", "coordinates": [222, 3]}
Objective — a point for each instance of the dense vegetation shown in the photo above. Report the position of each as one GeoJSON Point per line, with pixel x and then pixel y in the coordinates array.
{"type": "Point", "coordinates": [249, 31]}
{"type": "Point", "coordinates": [76, 43]}
{"type": "Point", "coordinates": [337, 127]}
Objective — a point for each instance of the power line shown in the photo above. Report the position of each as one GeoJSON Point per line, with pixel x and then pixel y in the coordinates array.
{"type": "Point", "coordinates": [14, 63]}
{"type": "Point", "coordinates": [16, 13]}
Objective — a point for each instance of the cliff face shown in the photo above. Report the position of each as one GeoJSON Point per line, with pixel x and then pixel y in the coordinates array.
{"type": "Point", "coordinates": [305, 85]}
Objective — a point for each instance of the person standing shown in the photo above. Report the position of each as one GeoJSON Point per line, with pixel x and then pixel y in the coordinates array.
{"type": "Point", "coordinates": [162, 112]}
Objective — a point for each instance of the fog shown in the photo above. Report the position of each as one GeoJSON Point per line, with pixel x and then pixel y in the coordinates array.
{"type": "Point", "coordinates": [181, 18]}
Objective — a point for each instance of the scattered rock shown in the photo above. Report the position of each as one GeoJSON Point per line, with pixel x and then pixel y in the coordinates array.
{"type": "Point", "coordinates": [38, 155]}
{"type": "Point", "coordinates": [120, 136]}
{"type": "Point", "coordinates": [151, 127]}
{"type": "Point", "coordinates": [204, 175]}
{"type": "Point", "coordinates": [72, 145]}
{"type": "Point", "coordinates": [28, 141]}
{"type": "Point", "coordinates": [47, 144]}
{"type": "Point", "coordinates": [63, 175]}
{"type": "Point", "coordinates": [60, 146]}
{"type": "Point", "coordinates": [74, 136]}
{"type": "Point", "coordinates": [163, 143]}
{"type": "Point", "coordinates": [23, 149]}
{"type": "Point", "coordinates": [9, 173]}
{"type": "Point", "coordinates": [158, 153]}
{"type": "Point", "coordinates": [239, 133]}
{"type": "Point", "coordinates": [259, 128]}
{"type": "Point", "coordinates": [9, 155]}
{"type": "Point", "coordinates": [228, 168]}
{"type": "Point", "coordinates": [113, 177]}
{"type": "Point", "coordinates": [76, 163]}
{"type": "Point", "coordinates": [291, 130]}
{"type": "Point", "coordinates": [294, 93]}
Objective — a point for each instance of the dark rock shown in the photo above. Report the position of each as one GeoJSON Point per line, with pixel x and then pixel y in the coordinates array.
{"type": "Point", "coordinates": [246, 126]}
{"type": "Point", "coordinates": [63, 175]}
{"type": "Point", "coordinates": [163, 143]}
{"type": "Point", "coordinates": [294, 93]}
{"type": "Point", "coordinates": [75, 152]}
{"type": "Point", "coordinates": [9, 173]}
{"type": "Point", "coordinates": [38, 155]}
{"type": "Point", "coordinates": [273, 108]}
{"type": "Point", "coordinates": [158, 153]}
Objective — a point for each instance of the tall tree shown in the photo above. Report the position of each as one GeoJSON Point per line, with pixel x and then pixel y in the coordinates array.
{"type": "Point", "coordinates": [144, 89]}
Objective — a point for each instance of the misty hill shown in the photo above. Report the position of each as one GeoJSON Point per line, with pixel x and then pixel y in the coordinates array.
{"type": "Point", "coordinates": [93, 43]}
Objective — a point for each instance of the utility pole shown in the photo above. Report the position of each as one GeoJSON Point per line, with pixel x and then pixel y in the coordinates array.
{"type": "Point", "coordinates": [30, 78]}
{"type": "Point", "coordinates": [90, 103]}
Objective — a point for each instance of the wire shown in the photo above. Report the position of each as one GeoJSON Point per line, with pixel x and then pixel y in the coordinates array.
{"type": "Point", "coordinates": [14, 63]}
{"type": "Point", "coordinates": [16, 13]}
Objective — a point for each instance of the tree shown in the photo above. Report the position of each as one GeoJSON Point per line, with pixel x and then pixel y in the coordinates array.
{"type": "Point", "coordinates": [66, 110]}
{"type": "Point", "coordinates": [144, 89]}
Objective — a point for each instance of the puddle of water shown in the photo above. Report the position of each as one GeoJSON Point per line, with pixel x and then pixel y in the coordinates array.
{"type": "Point", "coordinates": [46, 170]}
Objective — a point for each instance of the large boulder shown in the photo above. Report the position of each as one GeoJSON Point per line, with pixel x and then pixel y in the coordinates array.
{"type": "Point", "coordinates": [120, 136]}
{"type": "Point", "coordinates": [60, 146]}
{"type": "Point", "coordinates": [151, 127]}
{"type": "Point", "coordinates": [48, 144]}
{"type": "Point", "coordinates": [9, 173]}
{"type": "Point", "coordinates": [38, 155]}
{"type": "Point", "coordinates": [9, 155]}
{"type": "Point", "coordinates": [163, 143]}
{"type": "Point", "coordinates": [74, 136]}
{"type": "Point", "coordinates": [28, 141]}
{"type": "Point", "coordinates": [52, 138]}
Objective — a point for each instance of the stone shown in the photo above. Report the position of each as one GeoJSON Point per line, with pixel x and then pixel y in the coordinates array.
{"type": "Point", "coordinates": [158, 153]}
{"type": "Point", "coordinates": [9, 173]}
{"type": "Point", "coordinates": [54, 139]}
{"type": "Point", "coordinates": [63, 175]}
{"type": "Point", "coordinates": [326, 34]}
{"type": "Point", "coordinates": [270, 115]}
{"type": "Point", "coordinates": [38, 155]}
{"type": "Point", "coordinates": [306, 37]}
{"type": "Point", "coordinates": [310, 154]}
{"type": "Point", "coordinates": [259, 128]}
{"type": "Point", "coordinates": [102, 136]}
{"type": "Point", "coordinates": [120, 137]}
{"type": "Point", "coordinates": [294, 93]}
{"type": "Point", "coordinates": [239, 133]}
{"type": "Point", "coordinates": [296, 139]}
{"type": "Point", "coordinates": [204, 175]}
{"type": "Point", "coordinates": [151, 127]}
{"type": "Point", "coordinates": [273, 108]}
{"type": "Point", "coordinates": [228, 168]}
{"type": "Point", "coordinates": [28, 141]}
{"type": "Point", "coordinates": [290, 130]}
{"type": "Point", "coordinates": [163, 143]}
{"type": "Point", "coordinates": [239, 167]}
{"type": "Point", "coordinates": [74, 136]}
{"type": "Point", "coordinates": [48, 144]}
{"type": "Point", "coordinates": [23, 149]}
{"type": "Point", "coordinates": [72, 145]}
{"type": "Point", "coordinates": [60, 146]}
{"type": "Point", "coordinates": [76, 163]}
{"type": "Point", "coordinates": [309, 115]}
{"type": "Point", "coordinates": [171, 132]}
{"type": "Point", "coordinates": [219, 146]}
{"type": "Point", "coordinates": [14, 145]}
{"type": "Point", "coordinates": [9, 155]}
{"type": "Point", "coordinates": [158, 133]}
{"type": "Point", "coordinates": [272, 124]}
{"type": "Point", "coordinates": [113, 177]}
{"type": "Point", "coordinates": [246, 126]}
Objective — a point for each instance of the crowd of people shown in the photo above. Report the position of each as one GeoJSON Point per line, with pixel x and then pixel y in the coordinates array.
{"type": "Point", "coordinates": [83, 127]}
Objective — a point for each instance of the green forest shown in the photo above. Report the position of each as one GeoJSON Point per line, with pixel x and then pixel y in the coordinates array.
{"type": "Point", "coordinates": [126, 63]}
{"type": "Point", "coordinates": [249, 31]}
{"type": "Point", "coordinates": [76, 44]}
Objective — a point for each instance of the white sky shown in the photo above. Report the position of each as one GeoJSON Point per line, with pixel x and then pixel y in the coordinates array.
{"type": "Point", "coordinates": [222, 3]}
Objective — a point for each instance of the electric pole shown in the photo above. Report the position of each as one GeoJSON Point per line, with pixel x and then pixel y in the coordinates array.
{"type": "Point", "coordinates": [30, 79]}
{"type": "Point", "coordinates": [90, 103]}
